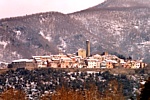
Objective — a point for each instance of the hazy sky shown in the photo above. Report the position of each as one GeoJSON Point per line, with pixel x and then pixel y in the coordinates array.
{"type": "Point", "coordinates": [9, 8]}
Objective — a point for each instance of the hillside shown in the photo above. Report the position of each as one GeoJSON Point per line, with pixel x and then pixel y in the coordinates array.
{"type": "Point", "coordinates": [124, 3]}
{"type": "Point", "coordinates": [38, 34]}
{"type": "Point", "coordinates": [109, 26]}
{"type": "Point", "coordinates": [46, 80]}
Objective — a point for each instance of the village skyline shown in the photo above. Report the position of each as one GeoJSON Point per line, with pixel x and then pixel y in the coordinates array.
{"type": "Point", "coordinates": [81, 59]}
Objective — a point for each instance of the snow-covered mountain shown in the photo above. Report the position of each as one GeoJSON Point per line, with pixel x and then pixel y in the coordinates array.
{"type": "Point", "coordinates": [121, 26]}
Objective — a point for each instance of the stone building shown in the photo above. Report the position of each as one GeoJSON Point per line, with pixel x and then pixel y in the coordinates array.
{"type": "Point", "coordinates": [24, 63]}
{"type": "Point", "coordinates": [82, 53]}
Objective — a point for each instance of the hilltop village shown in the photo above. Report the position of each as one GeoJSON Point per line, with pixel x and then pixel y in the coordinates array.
{"type": "Point", "coordinates": [80, 60]}
{"type": "Point", "coordinates": [45, 79]}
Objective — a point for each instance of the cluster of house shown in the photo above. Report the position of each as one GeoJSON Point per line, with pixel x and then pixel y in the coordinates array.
{"type": "Point", "coordinates": [82, 59]}
{"type": "Point", "coordinates": [77, 61]}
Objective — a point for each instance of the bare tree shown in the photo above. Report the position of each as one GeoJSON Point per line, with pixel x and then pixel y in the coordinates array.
{"type": "Point", "coordinates": [12, 94]}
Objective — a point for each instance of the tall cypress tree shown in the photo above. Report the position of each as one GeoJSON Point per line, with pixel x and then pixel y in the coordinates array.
{"type": "Point", "coordinates": [145, 93]}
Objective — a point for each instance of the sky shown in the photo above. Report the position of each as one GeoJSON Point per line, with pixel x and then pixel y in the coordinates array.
{"type": "Point", "coordinates": [13, 8]}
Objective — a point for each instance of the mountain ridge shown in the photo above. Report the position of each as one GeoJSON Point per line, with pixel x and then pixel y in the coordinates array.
{"type": "Point", "coordinates": [124, 3]}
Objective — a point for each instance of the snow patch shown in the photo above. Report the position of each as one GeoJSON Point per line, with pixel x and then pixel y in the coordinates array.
{"type": "Point", "coordinates": [136, 27]}
{"type": "Point", "coordinates": [94, 42]}
{"type": "Point", "coordinates": [3, 43]}
{"type": "Point", "coordinates": [148, 21]}
{"type": "Point", "coordinates": [18, 33]}
{"type": "Point", "coordinates": [63, 43]}
{"type": "Point", "coordinates": [41, 33]}
{"type": "Point", "coordinates": [16, 54]}
{"type": "Point", "coordinates": [145, 43]}
{"type": "Point", "coordinates": [42, 20]}
{"type": "Point", "coordinates": [48, 37]}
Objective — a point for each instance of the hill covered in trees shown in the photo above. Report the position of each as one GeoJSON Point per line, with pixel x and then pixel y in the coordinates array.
{"type": "Point", "coordinates": [39, 82]}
